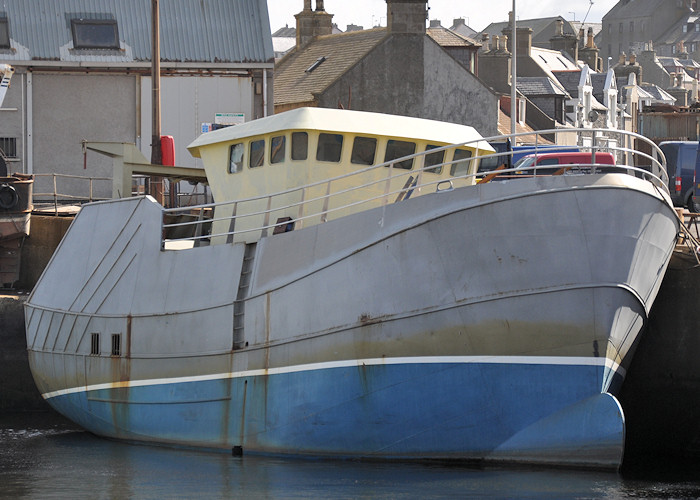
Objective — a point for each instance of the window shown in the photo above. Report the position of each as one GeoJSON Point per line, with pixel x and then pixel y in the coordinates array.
{"type": "Point", "coordinates": [94, 344]}
{"type": "Point", "coordinates": [277, 145]}
{"type": "Point", "coordinates": [4, 33]}
{"type": "Point", "coordinates": [620, 27]}
{"type": "Point", "coordinates": [257, 153]}
{"type": "Point", "coordinates": [461, 162]}
{"type": "Point", "coordinates": [300, 145]}
{"type": "Point", "coordinates": [631, 26]}
{"type": "Point", "coordinates": [116, 344]}
{"type": "Point", "coordinates": [432, 159]}
{"type": "Point", "coordinates": [363, 150]}
{"type": "Point", "coordinates": [235, 158]}
{"type": "Point", "coordinates": [8, 146]}
{"type": "Point", "coordinates": [398, 149]}
{"type": "Point", "coordinates": [95, 34]}
{"type": "Point", "coordinates": [685, 28]}
{"type": "Point", "coordinates": [330, 147]}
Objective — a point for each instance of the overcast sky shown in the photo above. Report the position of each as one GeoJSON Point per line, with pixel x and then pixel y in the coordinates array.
{"type": "Point", "coordinates": [477, 13]}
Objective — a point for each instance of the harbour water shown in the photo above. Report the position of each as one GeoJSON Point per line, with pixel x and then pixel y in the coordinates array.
{"type": "Point", "coordinates": [42, 457]}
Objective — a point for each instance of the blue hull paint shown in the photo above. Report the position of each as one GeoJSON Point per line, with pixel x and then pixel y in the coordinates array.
{"type": "Point", "coordinates": [536, 413]}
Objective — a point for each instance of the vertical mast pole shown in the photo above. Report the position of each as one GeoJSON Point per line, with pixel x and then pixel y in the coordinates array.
{"type": "Point", "coordinates": [513, 89]}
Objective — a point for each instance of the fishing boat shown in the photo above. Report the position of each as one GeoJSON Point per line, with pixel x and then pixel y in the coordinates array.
{"type": "Point", "coordinates": [360, 290]}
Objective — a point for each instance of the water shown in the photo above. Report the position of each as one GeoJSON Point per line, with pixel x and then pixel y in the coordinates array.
{"type": "Point", "coordinates": [44, 458]}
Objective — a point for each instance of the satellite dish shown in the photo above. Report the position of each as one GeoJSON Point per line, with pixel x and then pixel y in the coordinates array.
{"type": "Point", "coordinates": [592, 115]}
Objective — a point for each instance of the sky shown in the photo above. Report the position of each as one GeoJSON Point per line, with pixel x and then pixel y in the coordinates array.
{"type": "Point", "coordinates": [478, 14]}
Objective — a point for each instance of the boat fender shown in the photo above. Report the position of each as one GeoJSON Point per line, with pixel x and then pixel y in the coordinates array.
{"type": "Point", "coordinates": [8, 197]}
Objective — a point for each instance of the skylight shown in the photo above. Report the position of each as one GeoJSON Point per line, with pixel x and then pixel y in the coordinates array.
{"type": "Point", "coordinates": [316, 64]}
{"type": "Point", "coordinates": [95, 34]}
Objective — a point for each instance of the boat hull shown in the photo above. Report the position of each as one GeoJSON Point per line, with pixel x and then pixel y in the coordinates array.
{"type": "Point", "coordinates": [488, 323]}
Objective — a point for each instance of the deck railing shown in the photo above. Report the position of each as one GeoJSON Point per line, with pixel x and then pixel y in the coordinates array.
{"type": "Point", "coordinates": [55, 198]}
{"type": "Point", "coordinates": [252, 218]}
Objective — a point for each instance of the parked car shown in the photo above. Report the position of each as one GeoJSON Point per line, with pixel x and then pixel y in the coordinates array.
{"type": "Point", "coordinates": [553, 162]}
{"type": "Point", "coordinates": [508, 155]}
{"type": "Point", "coordinates": [680, 163]}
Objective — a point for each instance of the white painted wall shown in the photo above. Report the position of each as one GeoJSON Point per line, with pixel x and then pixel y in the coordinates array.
{"type": "Point", "coordinates": [189, 101]}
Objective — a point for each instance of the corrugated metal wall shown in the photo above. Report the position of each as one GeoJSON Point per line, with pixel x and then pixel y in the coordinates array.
{"type": "Point", "coordinates": [225, 31]}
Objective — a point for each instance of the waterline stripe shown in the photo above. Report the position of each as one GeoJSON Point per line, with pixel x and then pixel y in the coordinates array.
{"type": "Point", "coordinates": [516, 360]}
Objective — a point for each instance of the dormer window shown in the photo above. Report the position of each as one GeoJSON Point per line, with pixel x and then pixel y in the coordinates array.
{"type": "Point", "coordinates": [4, 33]}
{"type": "Point", "coordinates": [95, 34]}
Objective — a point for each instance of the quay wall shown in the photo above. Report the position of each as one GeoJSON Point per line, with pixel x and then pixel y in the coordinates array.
{"type": "Point", "coordinates": [661, 393]}
{"type": "Point", "coordinates": [17, 389]}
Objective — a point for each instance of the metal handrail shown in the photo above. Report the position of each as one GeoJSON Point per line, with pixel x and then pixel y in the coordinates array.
{"type": "Point", "coordinates": [656, 174]}
{"type": "Point", "coordinates": [56, 196]}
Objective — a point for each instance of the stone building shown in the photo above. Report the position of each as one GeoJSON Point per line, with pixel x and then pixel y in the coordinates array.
{"type": "Point", "coordinates": [398, 70]}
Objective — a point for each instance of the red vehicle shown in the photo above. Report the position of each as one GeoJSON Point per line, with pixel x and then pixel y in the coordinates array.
{"type": "Point", "coordinates": [578, 162]}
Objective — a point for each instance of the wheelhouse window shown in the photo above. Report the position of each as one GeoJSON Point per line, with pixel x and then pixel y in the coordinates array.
{"type": "Point", "coordinates": [4, 33]}
{"type": "Point", "coordinates": [95, 34]}
{"type": "Point", "coordinates": [235, 158]}
{"type": "Point", "coordinates": [257, 153]}
{"type": "Point", "coordinates": [433, 159]}
{"type": "Point", "coordinates": [330, 147]}
{"type": "Point", "coordinates": [398, 149]}
{"type": "Point", "coordinates": [363, 150]}
{"type": "Point", "coordinates": [277, 147]}
{"type": "Point", "coordinates": [300, 145]}
{"type": "Point", "coordinates": [461, 162]}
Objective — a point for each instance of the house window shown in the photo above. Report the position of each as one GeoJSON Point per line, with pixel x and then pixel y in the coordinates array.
{"type": "Point", "coordinates": [8, 145]}
{"type": "Point", "coordinates": [329, 147]}
{"type": "Point", "coordinates": [398, 149]}
{"type": "Point", "coordinates": [631, 26]}
{"type": "Point", "coordinates": [95, 34]}
{"type": "Point", "coordinates": [4, 33]}
{"type": "Point", "coordinates": [363, 150]}
{"type": "Point", "coordinates": [620, 27]}
{"type": "Point", "coordinates": [685, 28]}
{"type": "Point", "coordinates": [235, 158]}
{"type": "Point", "coordinates": [257, 153]}
{"type": "Point", "coordinates": [277, 146]}
{"type": "Point", "coordinates": [300, 145]}
{"type": "Point", "coordinates": [697, 27]}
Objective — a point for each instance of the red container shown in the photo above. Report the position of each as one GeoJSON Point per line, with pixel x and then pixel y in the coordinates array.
{"type": "Point", "coordinates": [167, 150]}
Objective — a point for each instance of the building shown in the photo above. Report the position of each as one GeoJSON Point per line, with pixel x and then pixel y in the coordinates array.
{"type": "Point", "coordinates": [83, 74]}
{"type": "Point", "coordinates": [397, 70]}
{"type": "Point", "coordinates": [632, 23]}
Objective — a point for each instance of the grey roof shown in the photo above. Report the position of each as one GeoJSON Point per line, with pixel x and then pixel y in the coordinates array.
{"type": "Point", "coordinates": [637, 8]}
{"type": "Point", "coordinates": [222, 31]}
{"type": "Point", "coordinates": [538, 86]}
{"type": "Point", "coordinates": [543, 28]}
{"type": "Point", "coordinates": [569, 80]}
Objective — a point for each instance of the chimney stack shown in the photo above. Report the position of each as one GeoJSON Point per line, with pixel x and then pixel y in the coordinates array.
{"type": "Point", "coordinates": [311, 24]}
{"type": "Point", "coordinates": [406, 16]}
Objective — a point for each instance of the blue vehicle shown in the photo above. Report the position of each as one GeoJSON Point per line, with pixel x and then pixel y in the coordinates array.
{"type": "Point", "coordinates": [681, 166]}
